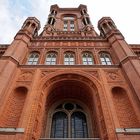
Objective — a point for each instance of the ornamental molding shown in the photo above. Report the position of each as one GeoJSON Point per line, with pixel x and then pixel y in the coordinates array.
{"type": "Point", "coordinates": [35, 50]}
{"type": "Point", "coordinates": [113, 76]}
{"type": "Point", "coordinates": [97, 50]}
{"type": "Point", "coordinates": [26, 76]}
{"type": "Point", "coordinates": [46, 72]}
{"type": "Point", "coordinates": [52, 50]}
{"type": "Point", "coordinates": [93, 73]}
{"type": "Point", "coordinates": [69, 38]}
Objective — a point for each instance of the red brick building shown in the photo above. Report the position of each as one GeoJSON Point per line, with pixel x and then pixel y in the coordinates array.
{"type": "Point", "coordinates": [68, 81]}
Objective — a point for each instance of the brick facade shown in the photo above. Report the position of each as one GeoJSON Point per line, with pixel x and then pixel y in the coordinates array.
{"type": "Point", "coordinates": [106, 84]}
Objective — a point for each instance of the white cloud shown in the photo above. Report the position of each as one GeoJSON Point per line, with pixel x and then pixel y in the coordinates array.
{"type": "Point", "coordinates": [124, 13]}
{"type": "Point", "coordinates": [10, 21]}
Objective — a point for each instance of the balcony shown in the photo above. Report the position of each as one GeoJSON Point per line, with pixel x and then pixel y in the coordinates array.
{"type": "Point", "coordinates": [69, 139]}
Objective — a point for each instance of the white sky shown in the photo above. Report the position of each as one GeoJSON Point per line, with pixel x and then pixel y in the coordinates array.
{"type": "Point", "coordinates": [125, 14]}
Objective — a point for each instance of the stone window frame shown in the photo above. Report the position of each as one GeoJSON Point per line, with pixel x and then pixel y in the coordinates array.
{"type": "Point", "coordinates": [51, 61]}
{"type": "Point", "coordinates": [52, 111]}
{"type": "Point", "coordinates": [89, 53]}
{"type": "Point", "coordinates": [105, 61]}
{"type": "Point", "coordinates": [70, 61]}
{"type": "Point", "coordinates": [67, 26]}
{"type": "Point", "coordinates": [35, 59]}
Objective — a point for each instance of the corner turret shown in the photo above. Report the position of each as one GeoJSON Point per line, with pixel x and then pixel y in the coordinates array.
{"type": "Point", "coordinates": [107, 27]}
{"type": "Point", "coordinates": [30, 27]}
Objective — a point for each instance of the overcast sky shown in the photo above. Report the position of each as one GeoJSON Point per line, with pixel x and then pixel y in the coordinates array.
{"type": "Point", "coordinates": [125, 13]}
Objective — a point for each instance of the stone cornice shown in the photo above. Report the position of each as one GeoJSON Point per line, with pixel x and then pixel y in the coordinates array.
{"type": "Point", "coordinates": [128, 130]}
{"type": "Point", "coordinates": [10, 58]}
{"type": "Point", "coordinates": [3, 46]}
{"type": "Point", "coordinates": [11, 130]}
{"type": "Point", "coordinates": [69, 66]}
{"type": "Point", "coordinates": [128, 58]}
{"type": "Point", "coordinates": [69, 39]}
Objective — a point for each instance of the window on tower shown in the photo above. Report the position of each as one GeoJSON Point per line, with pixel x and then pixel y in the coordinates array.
{"type": "Point", "coordinates": [1, 53]}
{"type": "Point", "coordinates": [33, 58]}
{"type": "Point", "coordinates": [137, 53]}
{"type": "Point", "coordinates": [69, 24]}
{"type": "Point", "coordinates": [51, 21]}
{"type": "Point", "coordinates": [86, 21]}
{"type": "Point", "coordinates": [65, 26]}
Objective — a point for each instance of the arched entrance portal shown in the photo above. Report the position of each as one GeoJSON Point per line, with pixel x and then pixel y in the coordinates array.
{"type": "Point", "coordinates": [71, 108]}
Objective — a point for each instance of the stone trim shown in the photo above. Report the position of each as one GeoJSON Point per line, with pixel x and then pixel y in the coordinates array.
{"type": "Point", "coordinates": [11, 130]}
{"type": "Point", "coordinates": [66, 38]}
{"type": "Point", "coordinates": [69, 139]}
{"type": "Point", "coordinates": [10, 58]}
{"type": "Point", "coordinates": [128, 58]}
{"type": "Point", "coordinates": [128, 130]}
{"type": "Point", "coordinates": [68, 66]}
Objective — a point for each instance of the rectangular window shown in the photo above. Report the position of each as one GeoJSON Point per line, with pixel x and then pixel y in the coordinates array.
{"type": "Point", "coordinates": [65, 26]}
{"type": "Point", "coordinates": [71, 25]}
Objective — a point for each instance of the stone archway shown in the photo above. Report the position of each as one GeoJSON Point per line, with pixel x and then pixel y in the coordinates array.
{"type": "Point", "coordinates": [91, 85]}
{"type": "Point", "coordinates": [71, 90]}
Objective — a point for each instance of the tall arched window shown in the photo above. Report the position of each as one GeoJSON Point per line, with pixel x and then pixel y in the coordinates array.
{"type": "Point", "coordinates": [69, 58]}
{"type": "Point", "coordinates": [59, 125]}
{"type": "Point", "coordinates": [105, 58]}
{"type": "Point", "coordinates": [78, 125]}
{"type": "Point", "coordinates": [51, 58]}
{"type": "Point", "coordinates": [71, 124]}
{"type": "Point", "coordinates": [33, 58]}
{"type": "Point", "coordinates": [87, 58]}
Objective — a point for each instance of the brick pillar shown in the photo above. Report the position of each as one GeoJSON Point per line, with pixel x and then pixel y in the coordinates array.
{"type": "Point", "coordinates": [15, 53]}
{"type": "Point", "coordinates": [129, 62]}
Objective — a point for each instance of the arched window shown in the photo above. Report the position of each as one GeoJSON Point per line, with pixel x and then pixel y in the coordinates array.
{"type": "Point", "coordinates": [51, 21]}
{"type": "Point", "coordinates": [59, 125]}
{"type": "Point", "coordinates": [69, 58]}
{"type": "Point", "coordinates": [105, 58]}
{"type": "Point", "coordinates": [87, 58]}
{"type": "Point", "coordinates": [111, 24]}
{"type": "Point", "coordinates": [78, 125]}
{"type": "Point", "coordinates": [71, 124]}
{"type": "Point", "coordinates": [86, 20]}
{"type": "Point", "coordinates": [33, 58]}
{"type": "Point", "coordinates": [51, 58]}
{"type": "Point", "coordinates": [1, 53]}
{"type": "Point", "coordinates": [105, 27]}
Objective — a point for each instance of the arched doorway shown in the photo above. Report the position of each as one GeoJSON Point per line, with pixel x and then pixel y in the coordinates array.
{"type": "Point", "coordinates": [78, 122]}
